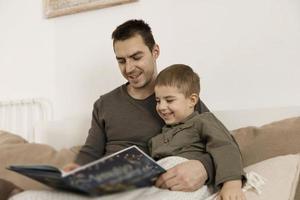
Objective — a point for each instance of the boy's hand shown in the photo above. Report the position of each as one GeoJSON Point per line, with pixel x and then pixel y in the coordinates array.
{"type": "Point", "coordinates": [187, 176]}
{"type": "Point", "coordinates": [70, 167]}
{"type": "Point", "coordinates": [232, 190]}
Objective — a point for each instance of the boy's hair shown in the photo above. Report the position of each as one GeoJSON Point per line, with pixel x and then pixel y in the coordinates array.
{"type": "Point", "coordinates": [180, 76]}
{"type": "Point", "coordinates": [131, 28]}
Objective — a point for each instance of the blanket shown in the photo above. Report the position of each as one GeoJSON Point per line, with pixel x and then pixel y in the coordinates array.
{"type": "Point", "coordinates": [148, 193]}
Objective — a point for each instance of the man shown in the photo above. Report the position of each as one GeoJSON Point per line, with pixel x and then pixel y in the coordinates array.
{"type": "Point", "coordinates": [126, 116]}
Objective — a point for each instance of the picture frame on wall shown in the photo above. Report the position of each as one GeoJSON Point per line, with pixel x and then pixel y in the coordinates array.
{"type": "Point", "coordinates": [55, 8]}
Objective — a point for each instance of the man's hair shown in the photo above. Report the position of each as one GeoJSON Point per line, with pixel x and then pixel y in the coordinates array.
{"type": "Point", "coordinates": [180, 76]}
{"type": "Point", "coordinates": [132, 28]}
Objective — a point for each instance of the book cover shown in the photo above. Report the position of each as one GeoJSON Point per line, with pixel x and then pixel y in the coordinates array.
{"type": "Point", "coordinates": [124, 170]}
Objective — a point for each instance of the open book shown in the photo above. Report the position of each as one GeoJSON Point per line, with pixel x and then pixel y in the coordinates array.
{"type": "Point", "coordinates": [124, 170]}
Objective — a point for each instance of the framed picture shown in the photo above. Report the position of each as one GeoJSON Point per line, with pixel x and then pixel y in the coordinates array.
{"type": "Point", "coordinates": [55, 8]}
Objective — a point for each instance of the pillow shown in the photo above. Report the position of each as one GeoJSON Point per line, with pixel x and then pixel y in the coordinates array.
{"type": "Point", "coordinates": [9, 138]}
{"type": "Point", "coordinates": [274, 139]}
{"type": "Point", "coordinates": [16, 150]}
{"type": "Point", "coordinates": [281, 174]}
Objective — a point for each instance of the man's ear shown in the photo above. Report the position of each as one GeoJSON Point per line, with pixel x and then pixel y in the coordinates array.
{"type": "Point", "coordinates": [194, 99]}
{"type": "Point", "coordinates": [155, 51]}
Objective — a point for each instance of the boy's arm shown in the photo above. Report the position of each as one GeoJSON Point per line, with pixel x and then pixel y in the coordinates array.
{"type": "Point", "coordinates": [223, 149]}
{"type": "Point", "coordinates": [205, 159]}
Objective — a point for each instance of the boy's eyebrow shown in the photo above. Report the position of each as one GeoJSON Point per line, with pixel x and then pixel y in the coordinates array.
{"type": "Point", "coordinates": [130, 56]}
{"type": "Point", "coordinates": [168, 97]}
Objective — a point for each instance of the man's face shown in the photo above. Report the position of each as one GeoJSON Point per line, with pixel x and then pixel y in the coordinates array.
{"type": "Point", "coordinates": [172, 105]}
{"type": "Point", "coordinates": [136, 62]}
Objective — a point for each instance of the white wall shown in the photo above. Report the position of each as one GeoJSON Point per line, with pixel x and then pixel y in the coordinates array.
{"type": "Point", "coordinates": [26, 51]}
{"type": "Point", "coordinates": [246, 52]}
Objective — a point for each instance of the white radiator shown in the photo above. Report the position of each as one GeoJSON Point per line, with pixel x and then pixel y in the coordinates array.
{"type": "Point", "coordinates": [19, 116]}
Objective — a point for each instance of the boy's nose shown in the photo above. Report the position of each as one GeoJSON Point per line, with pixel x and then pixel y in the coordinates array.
{"type": "Point", "coordinates": [162, 106]}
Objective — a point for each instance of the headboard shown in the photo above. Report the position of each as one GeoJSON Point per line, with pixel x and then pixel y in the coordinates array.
{"type": "Point", "coordinates": [19, 116]}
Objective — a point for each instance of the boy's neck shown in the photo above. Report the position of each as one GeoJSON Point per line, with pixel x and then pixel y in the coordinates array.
{"type": "Point", "coordinates": [190, 115]}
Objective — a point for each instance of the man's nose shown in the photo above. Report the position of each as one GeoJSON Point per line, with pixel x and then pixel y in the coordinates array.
{"type": "Point", "coordinates": [129, 67]}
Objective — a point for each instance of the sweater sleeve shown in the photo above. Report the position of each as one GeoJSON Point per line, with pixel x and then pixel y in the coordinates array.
{"type": "Point", "coordinates": [94, 146]}
{"type": "Point", "coordinates": [208, 164]}
{"type": "Point", "coordinates": [223, 149]}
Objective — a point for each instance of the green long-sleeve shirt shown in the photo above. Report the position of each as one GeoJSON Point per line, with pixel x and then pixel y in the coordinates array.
{"type": "Point", "coordinates": [200, 134]}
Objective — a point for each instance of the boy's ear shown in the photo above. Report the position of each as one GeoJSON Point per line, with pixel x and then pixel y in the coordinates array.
{"type": "Point", "coordinates": [194, 99]}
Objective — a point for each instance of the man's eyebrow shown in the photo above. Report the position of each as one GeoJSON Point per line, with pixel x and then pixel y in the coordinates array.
{"type": "Point", "coordinates": [136, 54]}
{"type": "Point", "coordinates": [119, 58]}
{"type": "Point", "coordinates": [132, 55]}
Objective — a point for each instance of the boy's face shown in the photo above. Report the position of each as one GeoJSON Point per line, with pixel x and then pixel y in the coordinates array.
{"type": "Point", "coordinates": [172, 106]}
{"type": "Point", "coordinates": [136, 61]}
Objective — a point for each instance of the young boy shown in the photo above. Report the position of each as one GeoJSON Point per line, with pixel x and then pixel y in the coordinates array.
{"type": "Point", "coordinates": [189, 134]}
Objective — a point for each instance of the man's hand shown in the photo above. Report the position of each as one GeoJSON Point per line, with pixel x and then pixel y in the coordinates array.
{"type": "Point", "coordinates": [187, 176]}
{"type": "Point", "coordinates": [70, 167]}
{"type": "Point", "coordinates": [232, 190]}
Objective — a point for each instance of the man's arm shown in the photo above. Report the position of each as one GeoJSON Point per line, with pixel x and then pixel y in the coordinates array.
{"type": "Point", "coordinates": [187, 176]}
{"type": "Point", "coordinates": [207, 161]}
{"type": "Point", "coordinates": [94, 146]}
{"type": "Point", "coordinates": [201, 107]}
{"type": "Point", "coordinates": [190, 175]}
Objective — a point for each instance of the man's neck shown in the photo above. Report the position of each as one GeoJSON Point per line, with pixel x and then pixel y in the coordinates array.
{"type": "Point", "coordinates": [141, 93]}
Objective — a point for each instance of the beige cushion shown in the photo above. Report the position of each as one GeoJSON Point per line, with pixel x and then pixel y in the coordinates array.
{"type": "Point", "coordinates": [281, 174]}
{"type": "Point", "coordinates": [16, 150]}
{"type": "Point", "coordinates": [274, 139]}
